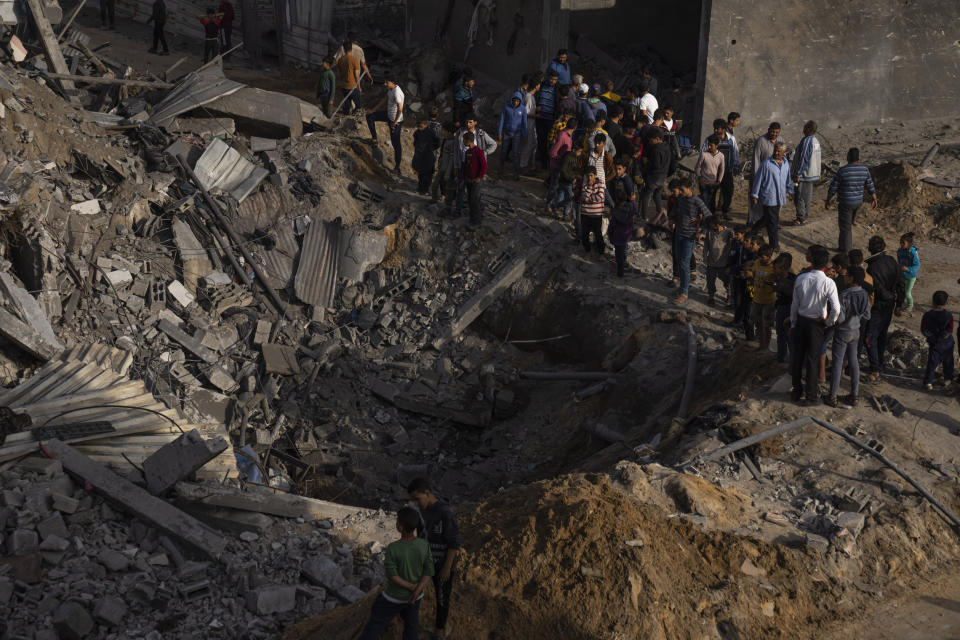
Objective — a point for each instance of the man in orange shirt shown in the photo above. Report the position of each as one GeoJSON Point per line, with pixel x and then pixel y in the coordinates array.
{"type": "Point", "coordinates": [348, 74]}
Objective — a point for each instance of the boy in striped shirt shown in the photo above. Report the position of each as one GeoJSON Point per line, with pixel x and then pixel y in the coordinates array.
{"type": "Point", "coordinates": [592, 199]}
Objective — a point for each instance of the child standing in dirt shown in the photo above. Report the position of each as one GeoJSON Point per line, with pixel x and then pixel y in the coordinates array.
{"type": "Point", "coordinates": [937, 327]}
{"type": "Point", "coordinates": [909, 261]}
{"type": "Point", "coordinates": [439, 527]}
{"type": "Point", "coordinates": [785, 280]}
{"type": "Point", "coordinates": [738, 258]}
{"type": "Point", "coordinates": [327, 87]}
{"type": "Point", "coordinates": [425, 144]}
{"type": "Point", "coordinates": [472, 174]}
{"type": "Point", "coordinates": [408, 567]}
{"type": "Point", "coordinates": [763, 307]}
{"type": "Point", "coordinates": [716, 249]}
{"type": "Point", "coordinates": [854, 311]}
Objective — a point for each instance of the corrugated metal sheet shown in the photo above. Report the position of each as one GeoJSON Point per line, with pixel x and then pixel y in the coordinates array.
{"type": "Point", "coordinates": [195, 90]}
{"type": "Point", "coordinates": [316, 281]}
{"type": "Point", "coordinates": [279, 261]}
{"type": "Point", "coordinates": [222, 167]}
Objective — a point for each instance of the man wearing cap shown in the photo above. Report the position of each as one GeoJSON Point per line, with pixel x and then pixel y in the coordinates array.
{"type": "Point", "coordinates": [393, 116]}
{"type": "Point", "coordinates": [648, 103]}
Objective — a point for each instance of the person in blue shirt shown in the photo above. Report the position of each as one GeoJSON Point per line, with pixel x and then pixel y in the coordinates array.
{"type": "Point", "coordinates": [561, 67]}
{"type": "Point", "coordinates": [513, 126]}
{"type": "Point", "coordinates": [848, 185]}
{"type": "Point", "coordinates": [463, 97]}
{"type": "Point", "coordinates": [909, 261]}
{"type": "Point", "coordinates": [547, 99]}
{"type": "Point", "coordinates": [772, 187]}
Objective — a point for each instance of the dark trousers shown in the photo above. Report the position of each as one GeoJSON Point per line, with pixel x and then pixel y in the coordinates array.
{"type": "Point", "coordinates": [211, 49]}
{"type": "Point", "coordinates": [708, 193]}
{"type": "Point", "coordinates": [684, 251]}
{"type": "Point", "coordinates": [543, 132]}
{"type": "Point", "coordinates": [846, 214]}
{"type": "Point", "coordinates": [106, 13]}
{"type": "Point", "coordinates": [381, 116]}
{"type": "Point", "coordinates": [940, 353]}
{"type": "Point", "coordinates": [592, 224]}
{"type": "Point", "coordinates": [714, 273]}
{"type": "Point", "coordinates": [159, 37]}
{"type": "Point", "coordinates": [652, 197]}
{"type": "Point", "coordinates": [620, 253]}
{"type": "Point", "coordinates": [807, 342]}
{"type": "Point", "coordinates": [226, 38]}
{"type": "Point", "coordinates": [424, 178]}
{"type": "Point", "coordinates": [473, 200]}
{"type": "Point", "coordinates": [784, 347]}
{"type": "Point", "coordinates": [876, 339]}
{"type": "Point", "coordinates": [384, 611]}
{"type": "Point", "coordinates": [801, 199]}
{"type": "Point", "coordinates": [771, 220]}
{"type": "Point", "coordinates": [443, 591]}
{"type": "Point", "coordinates": [726, 192]}
{"type": "Point", "coordinates": [738, 294]}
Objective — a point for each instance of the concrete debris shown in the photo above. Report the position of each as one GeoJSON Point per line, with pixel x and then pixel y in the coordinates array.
{"type": "Point", "coordinates": [179, 460]}
{"type": "Point", "coordinates": [222, 168]}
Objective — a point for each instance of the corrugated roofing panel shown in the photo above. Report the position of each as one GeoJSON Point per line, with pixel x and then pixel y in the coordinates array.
{"type": "Point", "coordinates": [195, 90]}
{"type": "Point", "coordinates": [316, 280]}
{"type": "Point", "coordinates": [221, 167]}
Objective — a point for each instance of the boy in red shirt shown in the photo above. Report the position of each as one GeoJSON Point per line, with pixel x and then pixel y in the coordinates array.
{"type": "Point", "coordinates": [474, 169]}
{"type": "Point", "coordinates": [211, 29]}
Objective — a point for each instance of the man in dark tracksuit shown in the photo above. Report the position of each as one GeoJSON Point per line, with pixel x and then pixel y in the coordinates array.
{"type": "Point", "coordinates": [937, 327]}
{"type": "Point", "coordinates": [887, 296]}
{"type": "Point", "coordinates": [441, 531]}
{"type": "Point", "coordinates": [655, 176]}
{"type": "Point", "coordinates": [159, 20]}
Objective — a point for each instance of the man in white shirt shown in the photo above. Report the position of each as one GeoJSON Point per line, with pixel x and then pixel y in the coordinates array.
{"type": "Point", "coordinates": [648, 104]}
{"type": "Point", "coordinates": [816, 306]}
{"type": "Point", "coordinates": [393, 116]}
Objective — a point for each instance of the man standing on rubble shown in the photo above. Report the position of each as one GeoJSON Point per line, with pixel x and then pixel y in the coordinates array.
{"type": "Point", "coordinates": [211, 31]}
{"type": "Point", "coordinates": [107, 8]}
{"type": "Point", "coordinates": [357, 52]}
{"type": "Point", "coordinates": [159, 19]}
{"type": "Point", "coordinates": [226, 25]}
{"type": "Point", "coordinates": [482, 140]}
{"type": "Point", "coordinates": [348, 77]}
{"type": "Point", "coordinates": [815, 306]}
{"type": "Point", "coordinates": [806, 170]}
{"type": "Point", "coordinates": [393, 116]}
{"type": "Point", "coordinates": [560, 67]}
{"type": "Point", "coordinates": [771, 188]}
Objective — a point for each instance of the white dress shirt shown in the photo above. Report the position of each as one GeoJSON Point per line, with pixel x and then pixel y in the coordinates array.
{"type": "Point", "coordinates": [815, 297]}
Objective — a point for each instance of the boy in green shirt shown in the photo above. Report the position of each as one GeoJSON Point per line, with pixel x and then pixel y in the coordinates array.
{"type": "Point", "coordinates": [409, 567]}
{"type": "Point", "coordinates": [326, 87]}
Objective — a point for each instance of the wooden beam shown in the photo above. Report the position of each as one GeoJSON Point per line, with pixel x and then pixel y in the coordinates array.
{"type": "Point", "coordinates": [150, 84]}
{"type": "Point", "coordinates": [73, 16]}
{"type": "Point", "coordinates": [153, 511]}
{"type": "Point", "coordinates": [50, 45]}
{"type": "Point", "coordinates": [285, 505]}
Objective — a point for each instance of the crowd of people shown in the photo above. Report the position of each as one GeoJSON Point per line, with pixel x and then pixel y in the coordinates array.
{"type": "Point", "coordinates": [614, 157]}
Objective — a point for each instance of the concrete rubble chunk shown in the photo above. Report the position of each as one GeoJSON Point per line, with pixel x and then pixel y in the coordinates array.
{"type": "Point", "coordinates": [72, 621]}
{"type": "Point", "coordinates": [43, 466]}
{"type": "Point", "coordinates": [193, 256]}
{"type": "Point", "coordinates": [30, 309]}
{"type": "Point", "coordinates": [363, 250]}
{"type": "Point", "coordinates": [323, 572]}
{"type": "Point", "coordinates": [53, 526]}
{"type": "Point", "coordinates": [261, 113]}
{"type": "Point", "coordinates": [113, 560]}
{"type": "Point", "coordinates": [119, 278]}
{"type": "Point", "coordinates": [110, 611]}
{"type": "Point", "coordinates": [21, 542]}
{"type": "Point", "coordinates": [64, 504]}
{"type": "Point", "coordinates": [190, 343]}
{"type": "Point", "coordinates": [180, 293]}
{"type": "Point", "coordinates": [180, 459]}
{"type": "Point", "coordinates": [272, 599]}
{"type": "Point", "coordinates": [27, 337]}
{"type": "Point", "coordinates": [86, 208]}
{"type": "Point", "coordinates": [280, 359]}
{"type": "Point", "coordinates": [851, 521]}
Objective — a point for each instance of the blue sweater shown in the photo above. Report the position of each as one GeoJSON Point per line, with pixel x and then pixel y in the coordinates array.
{"type": "Point", "coordinates": [910, 259]}
{"type": "Point", "coordinates": [563, 71]}
{"type": "Point", "coordinates": [513, 120]}
{"type": "Point", "coordinates": [772, 182]}
{"type": "Point", "coordinates": [849, 182]}
{"type": "Point", "coordinates": [547, 101]}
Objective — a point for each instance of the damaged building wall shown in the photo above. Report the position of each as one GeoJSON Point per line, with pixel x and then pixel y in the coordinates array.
{"type": "Point", "coordinates": [304, 30]}
{"type": "Point", "coordinates": [491, 36]}
{"type": "Point", "coordinates": [385, 15]}
{"type": "Point", "coordinates": [864, 61]}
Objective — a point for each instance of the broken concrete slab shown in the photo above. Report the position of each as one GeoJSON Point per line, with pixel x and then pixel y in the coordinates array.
{"type": "Point", "coordinates": [169, 520]}
{"type": "Point", "coordinates": [26, 337]}
{"type": "Point", "coordinates": [258, 112]}
{"type": "Point", "coordinates": [362, 251]}
{"type": "Point", "coordinates": [222, 168]}
{"type": "Point", "coordinates": [323, 572]}
{"type": "Point", "coordinates": [193, 256]}
{"type": "Point", "coordinates": [86, 208]}
{"type": "Point", "coordinates": [279, 359]}
{"type": "Point", "coordinates": [180, 293]}
{"type": "Point", "coordinates": [478, 418]}
{"type": "Point", "coordinates": [179, 460]}
{"type": "Point", "coordinates": [72, 621]}
{"type": "Point", "coordinates": [272, 599]}
{"type": "Point", "coordinates": [262, 144]}
{"type": "Point", "coordinates": [204, 126]}
{"type": "Point", "coordinates": [278, 504]}
{"type": "Point", "coordinates": [29, 309]}
{"type": "Point", "coordinates": [187, 341]}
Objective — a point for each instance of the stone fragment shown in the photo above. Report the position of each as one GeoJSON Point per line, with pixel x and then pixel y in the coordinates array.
{"type": "Point", "coordinates": [22, 542]}
{"type": "Point", "coordinates": [53, 526]}
{"type": "Point", "coordinates": [65, 504]}
{"type": "Point", "coordinates": [43, 466]}
{"type": "Point", "coordinates": [86, 208]}
{"type": "Point", "coordinates": [817, 543]}
{"type": "Point", "coordinates": [110, 611]}
{"type": "Point", "coordinates": [72, 621]}
{"type": "Point", "coordinates": [851, 521]}
{"type": "Point", "coordinates": [351, 593]}
{"type": "Point", "coordinates": [324, 572]}
{"type": "Point", "coordinates": [180, 293]}
{"type": "Point", "coordinates": [119, 278]}
{"type": "Point", "coordinates": [272, 599]}
{"type": "Point", "coordinates": [113, 560]}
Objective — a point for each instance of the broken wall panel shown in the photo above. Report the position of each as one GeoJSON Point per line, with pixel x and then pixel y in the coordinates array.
{"type": "Point", "coordinates": [305, 31]}
{"type": "Point", "coordinates": [257, 112]}
{"type": "Point", "coordinates": [221, 167]}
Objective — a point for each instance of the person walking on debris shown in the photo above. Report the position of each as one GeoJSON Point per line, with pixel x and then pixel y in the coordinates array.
{"type": "Point", "coordinates": [393, 116]}
{"type": "Point", "coordinates": [483, 141]}
{"type": "Point", "coordinates": [211, 34]}
{"type": "Point", "coordinates": [439, 527]}
{"type": "Point", "coordinates": [654, 176]}
{"type": "Point", "coordinates": [226, 25]}
{"type": "Point", "coordinates": [528, 148]}
{"type": "Point", "coordinates": [848, 184]}
{"type": "Point", "coordinates": [592, 199]}
{"type": "Point", "coordinates": [763, 308]}
{"type": "Point", "coordinates": [445, 181]}
{"type": "Point", "coordinates": [717, 247]}
{"type": "Point", "coordinates": [854, 310]}
{"type": "Point", "coordinates": [425, 144]}
{"type": "Point", "coordinates": [771, 188]}
{"type": "Point", "coordinates": [937, 327]}
{"type": "Point", "coordinates": [513, 126]}
{"type": "Point", "coordinates": [474, 170]}
{"type": "Point", "coordinates": [408, 566]}
{"type": "Point", "coordinates": [463, 97]}
{"type": "Point", "coordinates": [159, 19]}
{"type": "Point", "coordinates": [348, 77]}
{"type": "Point", "coordinates": [687, 216]}
{"type": "Point", "coordinates": [621, 228]}
{"type": "Point", "coordinates": [815, 306]}
{"type": "Point", "coordinates": [107, 11]}
{"type": "Point", "coordinates": [806, 171]}
{"type": "Point", "coordinates": [887, 297]}
{"type": "Point", "coordinates": [327, 87]}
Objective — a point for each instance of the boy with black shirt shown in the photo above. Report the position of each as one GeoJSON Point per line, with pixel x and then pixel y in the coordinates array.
{"type": "Point", "coordinates": [785, 280]}
{"type": "Point", "coordinates": [937, 327]}
{"type": "Point", "coordinates": [439, 527]}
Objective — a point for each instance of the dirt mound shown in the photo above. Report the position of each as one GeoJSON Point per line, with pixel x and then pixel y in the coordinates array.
{"type": "Point", "coordinates": [576, 557]}
{"type": "Point", "coordinates": [905, 201]}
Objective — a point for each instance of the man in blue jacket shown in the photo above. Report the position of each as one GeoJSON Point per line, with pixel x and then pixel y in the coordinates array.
{"type": "Point", "coordinates": [772, 186]}
{"type": "Point", "coordinates": [806, 170]}
{"type": "Point", "coordinates": [561, 67]}
{"type": "Point", "coordinates": [513, 125]}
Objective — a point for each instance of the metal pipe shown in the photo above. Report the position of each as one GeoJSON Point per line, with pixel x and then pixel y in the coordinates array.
{"type": "Point", "coordinates": [743, 443]}
{"type": "Point", "coordinates": [691, 374]}
{"type": "Point", "coordinates": [225, 226]}
{"type": "Point", "coordinates": [930, 155]}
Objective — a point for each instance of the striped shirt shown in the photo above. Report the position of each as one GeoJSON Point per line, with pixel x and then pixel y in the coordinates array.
{"type": "Point", "coordinates": [547, 101]}
{"type": "Point", "coordinates": [849, 182]}
{"type": "Point", "coordinates": [596, 161]}
{"type": "Point", "coordinates": [593, 199]}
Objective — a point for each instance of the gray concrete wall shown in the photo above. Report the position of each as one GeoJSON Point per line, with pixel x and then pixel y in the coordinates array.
{"type": "Point", "coordinates": [859, 61]}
